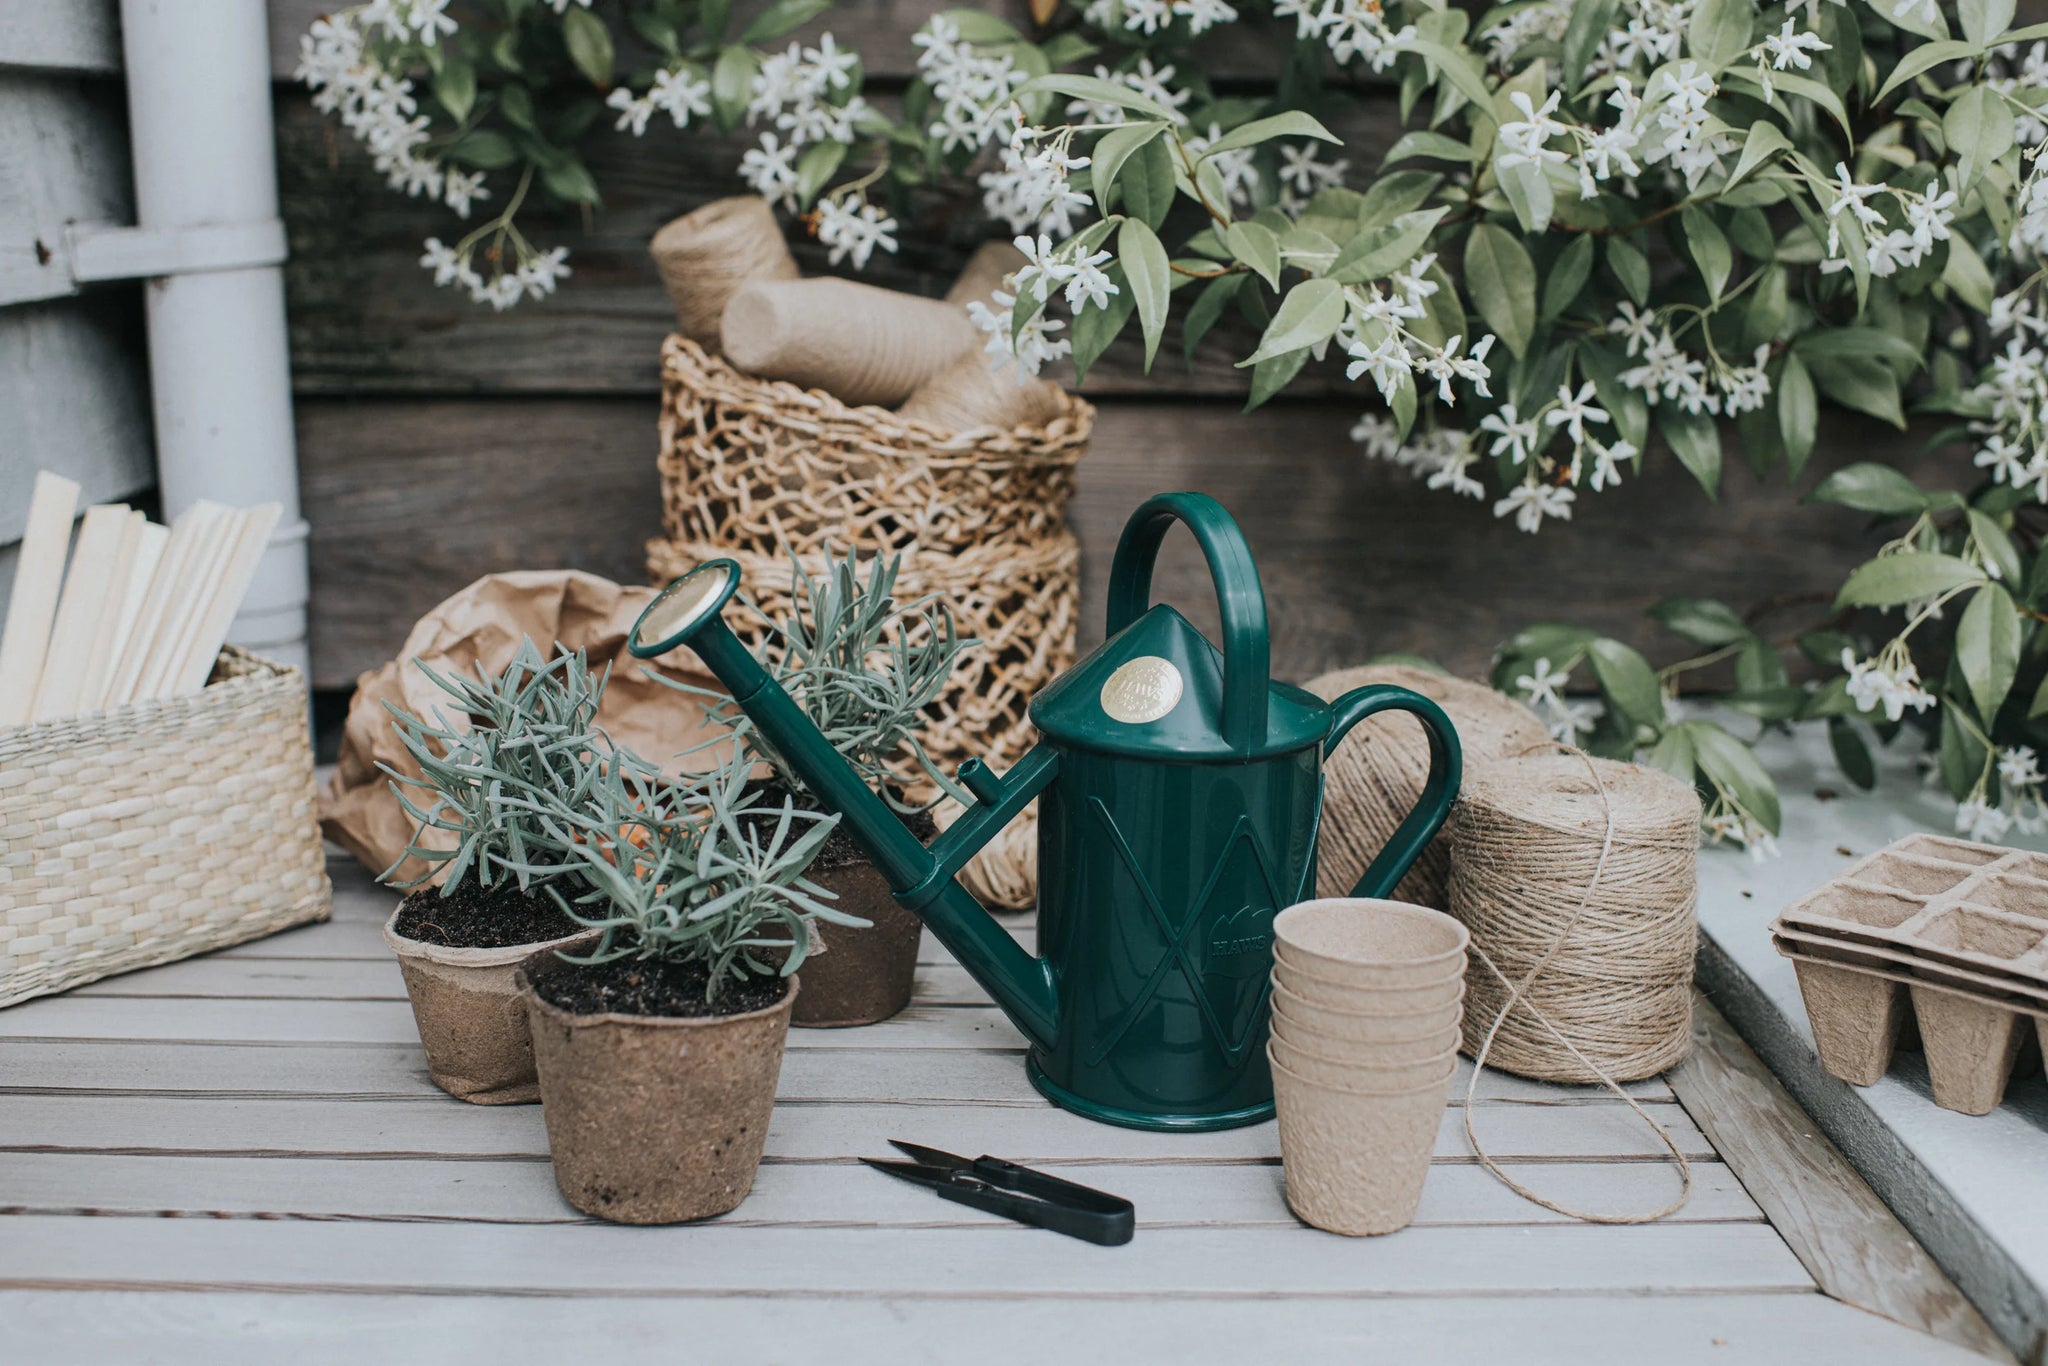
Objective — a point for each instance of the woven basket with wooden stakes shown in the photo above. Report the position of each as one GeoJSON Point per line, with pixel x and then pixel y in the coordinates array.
{"type": "Point", "coordinates": [780, 447]}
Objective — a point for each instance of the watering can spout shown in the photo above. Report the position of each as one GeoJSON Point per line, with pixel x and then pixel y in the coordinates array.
{"type": "Point", "coordinates": [924, 880]}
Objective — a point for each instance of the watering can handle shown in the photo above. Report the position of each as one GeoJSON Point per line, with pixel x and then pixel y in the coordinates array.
{"type": "Point", "coordinates": [1446, 768]}
{"type": "Point", "coordinates": [1238, 594]}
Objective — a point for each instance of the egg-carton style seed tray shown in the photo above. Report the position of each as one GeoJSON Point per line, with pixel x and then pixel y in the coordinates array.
{"type": "Point", "coordinates": [1941, 901]}
{"type": "Point", "coordinates": [2020, 995]}
{"type": "Point", "coordinates": [1857, 1005]}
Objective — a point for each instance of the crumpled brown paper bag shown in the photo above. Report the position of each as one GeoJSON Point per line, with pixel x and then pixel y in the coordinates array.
{"type": "Point", "coordinates": [483, 624]}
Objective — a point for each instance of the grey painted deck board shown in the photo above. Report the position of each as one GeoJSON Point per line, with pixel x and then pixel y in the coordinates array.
{"type": "Point", "coordinates": [198, 1157]}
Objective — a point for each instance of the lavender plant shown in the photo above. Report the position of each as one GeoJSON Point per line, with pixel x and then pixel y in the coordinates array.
{"type": "Point", "coordinates": [704, 871]}
{"type": "Point", "coordinates": [525, 736]}
{"type": "Point", "coordinates": [862, 666]}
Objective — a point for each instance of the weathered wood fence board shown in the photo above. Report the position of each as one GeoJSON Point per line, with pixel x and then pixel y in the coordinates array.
{"type": "Point", "coordinates": [411, 499]}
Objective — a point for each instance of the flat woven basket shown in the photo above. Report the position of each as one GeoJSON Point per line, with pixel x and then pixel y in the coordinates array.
{"type": "Point", "coordinates": [157, 830]}
{"type": "Point", "coordinates": [753, 470]}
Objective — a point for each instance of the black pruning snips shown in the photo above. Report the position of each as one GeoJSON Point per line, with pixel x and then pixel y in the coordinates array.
{"type": "Point", "coordinates": [1029, 1197]}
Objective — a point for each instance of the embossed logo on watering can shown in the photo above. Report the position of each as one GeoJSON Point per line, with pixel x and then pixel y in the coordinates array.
{"type": "Point", "coordinates": [1245, 933]}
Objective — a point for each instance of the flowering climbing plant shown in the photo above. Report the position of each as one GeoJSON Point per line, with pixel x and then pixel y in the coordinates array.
{"type": "Point", "coordinates": [1608, 230]}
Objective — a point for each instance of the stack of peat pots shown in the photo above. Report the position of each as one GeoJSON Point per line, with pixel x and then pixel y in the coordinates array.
{"type": "Point", "coordinates": [1368, 1003]}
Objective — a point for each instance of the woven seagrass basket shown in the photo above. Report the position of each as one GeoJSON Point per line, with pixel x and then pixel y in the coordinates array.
{"type": "Point", "coordinates": [157, 830]}
{"type": "Point", "coordinates": [753, 470]}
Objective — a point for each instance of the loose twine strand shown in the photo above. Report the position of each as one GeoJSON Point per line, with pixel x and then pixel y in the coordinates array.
{"type": "Point", "coordinates": [1518, 992]}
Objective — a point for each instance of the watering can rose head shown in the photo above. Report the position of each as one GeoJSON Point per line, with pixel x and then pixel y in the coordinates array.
{"type": "Point", "coordinates": [1179, 793]}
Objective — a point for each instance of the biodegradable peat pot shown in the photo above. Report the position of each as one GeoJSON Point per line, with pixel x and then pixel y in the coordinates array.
{"type": "Point", "coordinates": [1371, 1000]}
{"type": "Point", "coordinates": [1364, 1073]}
{"type": "Point", "coordinates": [1369, 943]}
{"type": "Point", "coordinates": [466, 1006]}
{"type": "Point", "coordinates": [1855, 1019]}
{"type": "Point", "coordinates": [857, 975]}
{"type": "Point", "coordinates": [1346, 1052]}
{"type": "Point", "coordinates": [1971, 1047]}
{"type": "Point", "coordinates": [1354, 1161]}
{"type": "Point", "coordinates": [1371, 1027]}
{"type": "Point", "coordinates": [655, 1119]}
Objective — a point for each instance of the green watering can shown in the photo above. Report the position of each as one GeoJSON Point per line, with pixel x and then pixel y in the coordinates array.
{"type": "Point", "coordinates": [1180, 791]}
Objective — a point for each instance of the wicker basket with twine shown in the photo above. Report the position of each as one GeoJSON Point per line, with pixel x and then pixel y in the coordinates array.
{"type": "Point", "coordinates": [756, 470]}
{"type": "Point", "coordinates": [157, 830]}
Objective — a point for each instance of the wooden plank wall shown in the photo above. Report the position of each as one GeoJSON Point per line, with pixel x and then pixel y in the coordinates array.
{"type": "Point", "coordinates": [440, 441]}
{"type": "Point", "coordinates": [74, 391]}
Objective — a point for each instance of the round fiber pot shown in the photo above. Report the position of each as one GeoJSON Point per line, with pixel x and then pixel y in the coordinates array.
{"type": "Point", "coordinates": [1385, 1053]}
{"type": "Point", "coordinates": [857, 976]}
{"type": "Point", "coordinates": [1370, 1000]}
{"type": "Point", "coordinates": [655, 1119]}
{"type": "Point", "coordinates": [466, 1006]}
{"type": "Point", "coordinates": [1361, 1073]}
{"type": "Point", "coordinates": [1370, 943]}
{"type": "Point", "coordinates": [1355, 1161]}
{"type": "Point", "coordinates": [1358, 1026]}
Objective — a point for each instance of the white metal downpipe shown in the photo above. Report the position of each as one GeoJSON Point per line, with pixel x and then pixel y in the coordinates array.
{"type": "Point", "coordinates": [219, 356]}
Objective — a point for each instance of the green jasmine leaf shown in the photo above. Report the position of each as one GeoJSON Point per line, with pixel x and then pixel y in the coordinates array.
{"type": "Point", "coordinates": [1096, 91]}
{"type": "Point", "coordinates": [1147, 183]}
{"type": "Point", "coordinates": [1871, 487]}
{"type": "Point", "coordinates": [1567, 276]}
{"type": "Point", "coordinates": [786, 16]}
{"type": "Point", "coordinates": [1111, 151]}
{"type": "Point", "coordinates": [1432, 146]}
{"type": "Point", "coordinates": [1529, 194]}
{"type": "Point", "coordinates": [1096, 328]}
{"type": "Point", "coordinates": [1988, 648]}
{"type": "Point", "coordinates": [1309, 315]}
{"type": "Point", "coordinates": [1583, 33]}
{"type": "Point", "coordinates": [1852, 756]}
{"type": "Point", "coordinates": [1719, 32]}
{"type": "Point", "coordinates": [1890, 580]}
{"type": "Point", "coordinates": [1763, 144]}
{"type": "Point", "coordinates": [1256, 246]}
{"type": "Point", "coordinates": [1631, 268]}
{"type": "Point", "coordinates": [1696, 442]}
{"type": "Point", "coordinates": [732, 78]}
{"type": "Point", "coordinates": [590, 45]}
{"type": "Point", "coordinates": [1144, 263]}
{"type": "Point", "coordinates": [1979, 130]}
{"type": "Point", "coordinates": [1291, 124]}
{"type": "Point", "coordinates": [1502, 282]}
{"type": "Point", "coordinates": [1798, 413]}
{"type": "Point", "coordinates": [1207, 308]}
{"type": "Point", "coordinates": [1702, 621]}
{"type": "Point", "coordinates": [455, 88]}
{"type": "Point", "coordinates": [1378, 252]}
{"type": "Point", "coordinates": [1861, 382]}
{"type": "Point", "coordinates": [1924, 58]}
{"type": "Point", "coordinates": [1966, 274]}
{"type": "Point", "coordinates": [1710, 250]}
{"type": "Point", "coordinates": [1272, 375]}
{"type": "Point", "coordinates": [1628, 681]}
{"type": "Point", "coordinates": [1729, 762]}
{"type": "Point", "coordinates": [1994, 545]}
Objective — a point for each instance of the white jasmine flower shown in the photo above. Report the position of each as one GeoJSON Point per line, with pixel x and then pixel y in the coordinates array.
{"type": "Point", "coordinates": [1514, 436]}
{"type": "Point", "coordinates": [1089, 283]}
{"type": "Point", "coordinates": [1529, 504]}
{"type": "Point", "coordinates": [1574, 411]}
{"type": "Point", "coordinates": [1895, 688]}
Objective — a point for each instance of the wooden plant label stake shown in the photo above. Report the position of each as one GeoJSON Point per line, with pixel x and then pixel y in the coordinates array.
{"type": "Point", "coordinates": [211, 630]}
{"type": "Point", "coordinates": [87, 588]}
{"type": "Point", "coordinates": [33, 602]}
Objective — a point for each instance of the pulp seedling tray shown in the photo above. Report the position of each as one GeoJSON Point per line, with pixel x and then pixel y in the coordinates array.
{"type": "Point", "coordinates": [1957, 932]}
{"type": "Point", "coordinates": [1857, 1011]}
{"type": "Point", "coordinates": [1942, 901]}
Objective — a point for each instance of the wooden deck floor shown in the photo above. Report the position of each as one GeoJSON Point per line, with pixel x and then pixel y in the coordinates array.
{"type": "Point", "coordinates": [240, 1158]}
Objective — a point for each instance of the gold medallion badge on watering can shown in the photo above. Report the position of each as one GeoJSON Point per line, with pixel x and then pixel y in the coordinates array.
{"type": "Point", "coordinates": [1143, 689]}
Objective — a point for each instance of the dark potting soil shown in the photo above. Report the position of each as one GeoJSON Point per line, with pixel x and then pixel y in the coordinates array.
{"type": "Point", "coordinates": [472, 917]}
{"type": "Point", "coordinates": [841, 849]}
{"type": "Point", "coordinates": [632, 986]}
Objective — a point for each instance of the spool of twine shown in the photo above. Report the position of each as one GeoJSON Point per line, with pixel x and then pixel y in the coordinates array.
{"type": "Point", "coordinates": [856, 342]}
{"type": "Point", "coordinates": [707, 254]}
{"type": "Point", "coordinates": [1575, 876]}
{"type": "Point", "coordinates": [984, 272]}
{"type": "Point", "coordinates": [969, 394]}
{"type": "Point", "coordinates": [1616, 963]}
{"type": "Point", "coordinates": [1376, 776]}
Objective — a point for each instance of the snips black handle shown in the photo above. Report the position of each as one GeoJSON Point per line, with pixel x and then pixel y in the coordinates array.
{"type": "Point", "coordinates": [1032, 1197]}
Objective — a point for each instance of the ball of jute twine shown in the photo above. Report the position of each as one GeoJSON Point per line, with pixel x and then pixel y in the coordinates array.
{"type": "Point", "coordinates": [984, 273]}
{"type": "Point", "coordinates": [970, 394]}
{"type": "Point", "coordinates": [705, 256]}
{"type": "Point", "coordinates": [1376, 776]}
{"type": "Point", "coordinates": [1575, 876]}
{"type": "Point", "coordinates": [856, 342]}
